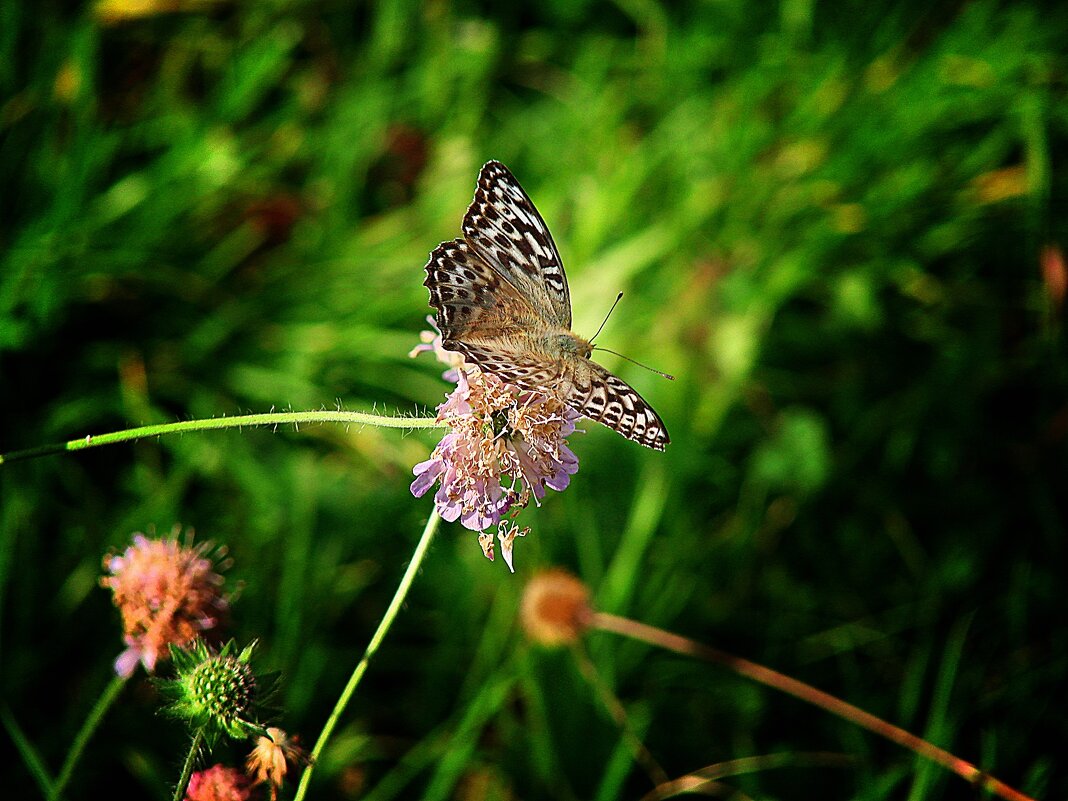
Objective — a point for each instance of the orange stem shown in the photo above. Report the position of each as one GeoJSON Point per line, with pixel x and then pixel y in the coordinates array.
{"type": "Point", "coordinates": [806, 692]}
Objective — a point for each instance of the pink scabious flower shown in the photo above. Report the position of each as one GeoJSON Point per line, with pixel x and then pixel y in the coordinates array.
{"type": "Point", "coordinates": [168, 594]}
{"type": "Point", "coordinates": [218, 783]}
{"type": "Point", "coordinates": [504, 447]}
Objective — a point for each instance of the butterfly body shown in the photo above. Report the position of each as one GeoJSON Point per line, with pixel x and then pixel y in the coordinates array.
{"type": "Point", "coordinates": [503, 302]}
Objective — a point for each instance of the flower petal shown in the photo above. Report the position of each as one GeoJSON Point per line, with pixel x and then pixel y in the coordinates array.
{"type": "Point", "coordinates": [426, 474]}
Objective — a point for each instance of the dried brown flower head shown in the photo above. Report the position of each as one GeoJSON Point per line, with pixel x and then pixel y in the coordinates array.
{"type": "Point", "coordinates": [555, 608]}
{"type": "Point", "coordinates": [271, 757]}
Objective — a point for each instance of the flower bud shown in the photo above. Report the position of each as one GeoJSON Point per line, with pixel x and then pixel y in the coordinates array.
{"type": "Point", "coordinates": [217, 693]}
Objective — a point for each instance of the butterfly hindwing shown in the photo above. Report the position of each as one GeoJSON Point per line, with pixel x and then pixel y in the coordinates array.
{"type": "Point", "coordinates": [526, 371]}
{"type": "Point", "coordinates": [585, 386]}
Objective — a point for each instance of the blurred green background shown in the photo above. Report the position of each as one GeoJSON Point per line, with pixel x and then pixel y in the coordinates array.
{"type": "Point", "coordinates": [838, 224]}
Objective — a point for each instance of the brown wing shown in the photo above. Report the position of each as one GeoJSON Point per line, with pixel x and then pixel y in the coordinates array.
{"type": "Point", "coordinates": [525, 370]}
{"type": "Point", "coordinates": [601, 396]}
{"type": "Point", "coordinates": [471, 298]}
{"type": "Point", "coordinates": [506, 230]}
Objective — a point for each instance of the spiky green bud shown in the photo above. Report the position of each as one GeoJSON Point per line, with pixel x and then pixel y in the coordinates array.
{"type": "Point", "coordinates": [215, 692]}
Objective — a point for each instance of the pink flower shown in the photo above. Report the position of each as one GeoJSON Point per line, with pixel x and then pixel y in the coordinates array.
{"type": "Point", "coordinates": [505, 446]}
{"type": "Point", "coordinates": [168, 593]}
{"type": "Point", "coordinates": [218, 783]}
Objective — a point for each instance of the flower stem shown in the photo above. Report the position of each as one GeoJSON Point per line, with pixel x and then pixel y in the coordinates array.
{"type": "Point", "coordinates": [97, 713]}
{"type": "Point", "coordinates": [808, 693]}
{"type": "Point", "coordinates": [630, 737]}
{"type": "Point", "coordinates": [34, 764]}
{"type": "Point", "coordinates": [372, 647]}
{"type": "Point", "coordinates": [187, 768]}
{"type": "Point", "coordinates": [704, 781]}
{"type": "Point", "coordinates": [271, 419]}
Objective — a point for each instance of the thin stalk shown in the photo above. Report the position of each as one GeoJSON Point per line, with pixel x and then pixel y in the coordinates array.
{"type": "Point", "coordinates": [809, 694]}
{"type": "Point", "coordinates": [187, 768]}
{"type": "Point", "coordinates": [372, 647]}
{"type": "Point", "coordinates": [97, 713]}
{"type": "Point", "coordinates": [34, 764]}
{"type": "Point", "coordinates": [615, 708]}
{"type": "Point", "coordinates": [705, 780]}
{"type": "Point", "coordinates": [241, 421]}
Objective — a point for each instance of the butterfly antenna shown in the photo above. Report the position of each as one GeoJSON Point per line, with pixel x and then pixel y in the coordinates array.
{"type": "Point", "coordinates": [619, 297]}
{"type": "Point", "coordinates": [668, 376]}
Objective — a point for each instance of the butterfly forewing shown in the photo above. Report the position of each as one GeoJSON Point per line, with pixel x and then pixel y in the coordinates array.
{"type": "Point", "coordinates": [506, 230]}
{"type": "Point", "coordinates": [502, 301]}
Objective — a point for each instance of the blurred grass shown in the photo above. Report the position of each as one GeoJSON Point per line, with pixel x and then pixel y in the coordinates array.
{"type": "Point", "coordinates": [828, 222]}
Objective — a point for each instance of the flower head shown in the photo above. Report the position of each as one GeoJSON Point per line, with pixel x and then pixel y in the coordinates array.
{"type": "Point", "coordinates": [499, 433]}
{"type": "Point", "coordinates": [271, 757]}
{"type": "Point", "coordinates": [556, 608]}
{"type": "Point", "coordinates": [218, 783]}
{"type": "Point", "coordinates": [217, 693]}
{"type": "Point", "coordinates": [1054, 275]}
{"type": "Point", "coordinates": [168, 594]}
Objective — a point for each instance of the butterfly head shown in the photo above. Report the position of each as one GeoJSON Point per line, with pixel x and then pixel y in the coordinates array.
{"type": "Point", "coordinates": [569, 344]}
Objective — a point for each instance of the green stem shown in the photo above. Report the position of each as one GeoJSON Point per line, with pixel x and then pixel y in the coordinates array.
{"type": "Point", "coordinates": [34, 764]}
{"type": "Point", "coordinates": [372, 647]}
{"type": "Point", "coordinates": [615, 708]}
{"type": "Point", "coordinates": [272, 419]}
{"type": "Point", "coordinates": [187, 768]}
{"type": "Point", "coordinates": [97, 713]}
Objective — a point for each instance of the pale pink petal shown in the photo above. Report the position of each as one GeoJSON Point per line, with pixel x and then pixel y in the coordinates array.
{"type": "Point", "coordinates": [127, 662]}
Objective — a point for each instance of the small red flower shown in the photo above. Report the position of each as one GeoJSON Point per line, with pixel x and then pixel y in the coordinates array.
{"type": "Point", "coordinates": [1054, 274]}
{"type": "Point", "coordinates": [218, 783]}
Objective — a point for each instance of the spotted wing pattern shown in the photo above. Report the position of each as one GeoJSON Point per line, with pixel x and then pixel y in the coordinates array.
{"type": "Point", "coordinates": [613, 402]}
{"type": "Point", "coordinates": [505, 229]}
{"type": "Point", "coordinates": [472, 298]}
{"type": "Point", "coordinates": [529, 371]}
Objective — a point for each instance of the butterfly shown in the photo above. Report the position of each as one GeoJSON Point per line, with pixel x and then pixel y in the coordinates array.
{"type": "Point", "coordinates": [502, 301]}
